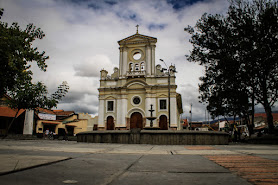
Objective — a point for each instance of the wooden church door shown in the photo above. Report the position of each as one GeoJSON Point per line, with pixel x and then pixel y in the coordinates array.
{"type": "Point", "coordinates": [110, 123]}
{"type": "Point", "coordinates": [136, 120]}
{"type": "Point", "coordinates": [163, 122]}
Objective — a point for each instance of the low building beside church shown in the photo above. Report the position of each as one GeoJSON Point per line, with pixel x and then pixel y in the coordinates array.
{"type": "Point", "coordinates": [126, 96]}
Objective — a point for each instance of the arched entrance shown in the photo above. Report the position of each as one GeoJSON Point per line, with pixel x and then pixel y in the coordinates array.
{"type": "Point", "coordinates": [163, 122]}
{"type": "Point", "coordinates": [136, 120]}
{"type": "Point", "coordinates": [110, 123]}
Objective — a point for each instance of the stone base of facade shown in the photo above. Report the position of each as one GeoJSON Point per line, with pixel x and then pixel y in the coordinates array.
{"type": "Point", "coordinates": [120, 128]}
{"type": "Point", "coordinates": [101, 128]}
{"type": "Point", "coordinates": [156, 137]}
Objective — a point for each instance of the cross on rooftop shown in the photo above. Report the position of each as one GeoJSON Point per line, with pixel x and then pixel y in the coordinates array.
{"type": "Point", "coordinates": [137, 28]}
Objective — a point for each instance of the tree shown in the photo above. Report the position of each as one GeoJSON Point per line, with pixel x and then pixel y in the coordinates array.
{"type": "Point", "coordinates": [239, 52]}
{"type": "Point", "coordinates": [16, 54]}
{"type": "Point", "coordinates": [31, 96]}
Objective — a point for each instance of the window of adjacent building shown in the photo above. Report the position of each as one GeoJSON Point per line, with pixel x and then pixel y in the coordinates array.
{"type": "Point", "coordinates": [110, 106]}
{"type": "Point", "coordinates": [163, 104]}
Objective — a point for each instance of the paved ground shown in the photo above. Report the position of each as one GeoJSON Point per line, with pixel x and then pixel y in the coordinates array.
{"type": "Point", "coordinates": [66, 162]}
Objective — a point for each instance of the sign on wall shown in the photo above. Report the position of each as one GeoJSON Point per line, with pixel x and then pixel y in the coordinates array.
{"type": "Point", "coordinates": [47, 116]}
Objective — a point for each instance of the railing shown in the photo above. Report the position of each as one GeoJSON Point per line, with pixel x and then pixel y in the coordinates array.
{"type": "Point", "coordinates": [136, 73]}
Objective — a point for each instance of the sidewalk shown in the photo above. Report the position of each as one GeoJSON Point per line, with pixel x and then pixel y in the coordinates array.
{"type": "Point", "coordinates": [35, 161]}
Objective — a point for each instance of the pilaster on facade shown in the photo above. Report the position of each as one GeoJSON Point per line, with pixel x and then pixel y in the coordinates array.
{"type": "Point", "coordinates": [148, 59]}
{"type": "Point", "coordinates": [153, 60]}
{"type": "Point", "coordinates": [101, 113]}
{"type": "Point", "coordinates": [121, 61]}
{"type": "Point", "coordinates": [125, 62]}
{"type": "Point", "coordinates": [173, 110]}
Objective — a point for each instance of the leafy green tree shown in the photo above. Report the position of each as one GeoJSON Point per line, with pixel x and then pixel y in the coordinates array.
{"type": "Point", "coordinates": [239, 52]}
{"type": "Point", "coordinates": [16, 54]}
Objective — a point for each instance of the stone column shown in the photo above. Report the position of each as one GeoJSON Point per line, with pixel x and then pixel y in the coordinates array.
{"type": "Point", "coordinates": [148, 60]}
{"type": "Point", "coordinates": [124, 111]}
{"type": "Point", "coordinates": [101, 108]}
{"type": "Point", "coordinates": [121, 61]}
{"type": "Point", "coordinates": [119, 113]}
{"type": "Point", "coordinates": [153, 60]}
{"type": "Point", "coordinates": [28, 122]}
{"type": "Point", "coordinates": [173, 111]}
{"type": "Point", "coordinates": [125, 61]}
{"type": "Point", "coordinates": [147, 107]}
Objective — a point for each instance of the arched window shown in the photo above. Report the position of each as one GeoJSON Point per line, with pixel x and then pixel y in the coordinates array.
{"type": "Point", "coordinates": [130, 67]}
{"type": "Point", "coordinates": [142, 66]}
{"type": "Point", "coordinates": [137, 67]}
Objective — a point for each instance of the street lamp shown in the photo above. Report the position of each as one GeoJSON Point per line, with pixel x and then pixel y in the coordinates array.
{"type": "Point", "coordinates": [168, 69]}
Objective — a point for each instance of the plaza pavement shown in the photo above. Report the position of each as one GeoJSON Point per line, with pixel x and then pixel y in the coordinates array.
{"type": "Point", "coordinates": [26, 162]}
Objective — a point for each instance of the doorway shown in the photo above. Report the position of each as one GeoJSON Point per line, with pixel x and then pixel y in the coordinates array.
{"type": "Point", "coordinates": [136, 120]}
{"type": "Point", "coordinates": [163, 122]}
{"type": "Point", "coordinates": [110, 123]}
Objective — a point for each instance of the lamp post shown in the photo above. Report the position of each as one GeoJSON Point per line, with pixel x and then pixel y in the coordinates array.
{"type": "Point", "coordinates": [168, 69]}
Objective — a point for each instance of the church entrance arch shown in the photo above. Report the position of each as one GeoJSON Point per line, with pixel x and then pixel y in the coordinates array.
{"type": "Point", "coordinates": [136, 120]}
{"type": "Point", "coordinates": [163, 122]}
{"type": "Point", "coordinates": [110, 123]}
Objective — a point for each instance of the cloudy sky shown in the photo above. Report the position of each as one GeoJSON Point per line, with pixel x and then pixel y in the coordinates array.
{"type": "Point", "coordinates": [81, 39]}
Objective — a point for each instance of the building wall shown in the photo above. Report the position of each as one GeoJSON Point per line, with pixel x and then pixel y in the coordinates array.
{"type": "Point", "coordinates": [148, 83]}
{"type": "Point", "coordinates": [79, 125]}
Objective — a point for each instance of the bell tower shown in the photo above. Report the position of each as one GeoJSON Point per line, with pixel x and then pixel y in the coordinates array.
{"type": "Point", "coordinates": [137, 56]}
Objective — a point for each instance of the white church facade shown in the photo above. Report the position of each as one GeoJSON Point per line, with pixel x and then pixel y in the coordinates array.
{"type": "Point", "coordinates": [137, 86]}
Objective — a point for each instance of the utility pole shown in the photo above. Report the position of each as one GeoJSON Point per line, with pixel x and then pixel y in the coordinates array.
{"type": "Point", "coordinates": [190, 115]}
{"type": "Point", "coordinates": [169, 100]}
{"type": "Point", "coordinates": [208, 119]}
{"type": "Point", "coordinates": [168, 69]}
{"type": "Point", "coordinates": [206, 115]}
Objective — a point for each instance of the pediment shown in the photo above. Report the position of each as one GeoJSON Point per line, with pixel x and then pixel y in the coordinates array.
{"type": "Point", "coordinates": [137, 38]}
{"type": "Point", "coordinates": [136, 85]}
{"type": "Point", "coordinates": [162, 96]}
{"type": "Point", "coordinates": [110, 98]}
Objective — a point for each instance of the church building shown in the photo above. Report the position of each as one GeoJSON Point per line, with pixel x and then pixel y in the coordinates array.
{"type": "Point", "coordinates": [136, 95]}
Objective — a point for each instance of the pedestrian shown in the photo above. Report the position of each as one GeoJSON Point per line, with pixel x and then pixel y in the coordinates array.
{"type": "Point", "coordinates": [46, 133]}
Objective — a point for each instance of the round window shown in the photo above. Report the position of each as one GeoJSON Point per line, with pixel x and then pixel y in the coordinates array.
{"type": "Point", "coordinates": [136, 100]}
{"type": "Point", "coordinates": [137, 55]}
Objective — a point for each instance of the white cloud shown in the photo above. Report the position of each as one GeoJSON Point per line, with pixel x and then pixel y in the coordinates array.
{"type": "Point", "coordinates": [82, 39]}
{"type": "Point", "coordinates": [91, 66]}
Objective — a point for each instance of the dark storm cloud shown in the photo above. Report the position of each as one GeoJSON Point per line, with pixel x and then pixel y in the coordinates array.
{"type": "Point", "coordinates": [179, 4]}
{"type": "Point", "coordinates": [128, 15]}
{"type": "Point", "coordinates": [154, 26]}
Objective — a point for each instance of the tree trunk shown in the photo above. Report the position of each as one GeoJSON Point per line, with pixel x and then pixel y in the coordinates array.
{"type": "Point", "coordinates": [253, 113]}
{"type": "Point", "coordinates": [269, 117]}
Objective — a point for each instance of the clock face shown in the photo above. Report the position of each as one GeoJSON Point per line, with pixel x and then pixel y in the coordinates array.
{"type": "Point", "coordinates": [137, 55]}
{"type": "Point", "coordinates": [136, 100]}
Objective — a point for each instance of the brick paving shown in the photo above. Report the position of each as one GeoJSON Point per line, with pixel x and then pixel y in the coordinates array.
{"type": "Point", "coordinates": [256, 170]}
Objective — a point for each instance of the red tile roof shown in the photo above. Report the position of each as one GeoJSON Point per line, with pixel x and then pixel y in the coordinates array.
{"type": "Point", "coordinates": [275, 115]}
{"type": "Point", "coordinates": [185, 122]}
{"type": "Point", "coordinates": [42, 110]}
{"type": "Point", "coordinates": [8, 112]}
